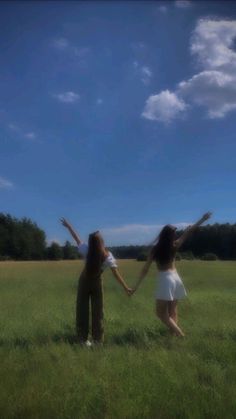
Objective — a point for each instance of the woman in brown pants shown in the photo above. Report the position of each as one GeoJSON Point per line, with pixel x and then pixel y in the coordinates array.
{"type": "Point", "coordinates": [90, 287]}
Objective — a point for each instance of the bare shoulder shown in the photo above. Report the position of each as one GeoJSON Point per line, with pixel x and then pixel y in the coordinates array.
{"type": "Point", "coordinates": [106, 252]}
{"type": "Point", "coordinates": [176, 244]}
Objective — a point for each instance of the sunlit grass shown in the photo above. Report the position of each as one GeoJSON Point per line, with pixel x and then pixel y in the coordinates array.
{"type": "Point", "coordinates": [141, 372]}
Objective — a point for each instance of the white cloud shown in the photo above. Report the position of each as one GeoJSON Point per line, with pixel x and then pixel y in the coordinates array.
{"type": "Point", "coordinates": [214, 88]}
{"type": "Point", "coordinates": [30, 135]}
{"type": "Point", "coordinates": [138, 46]}
{"type": "Point", "coordinates": [183, 4]}
{"type": "Point", "coordinates": [21, 132]}
{"type": "Point", "coordinates": [64, 45]}
{"type": "Point", "coordinates": [143, 72]}
{"type": "Point", "coordinates": [212, 43]}
{"type": "Point", "coordinates": [60, 43]}
{"type": "Point", "coordinates": [134, 233]}
{"type": "Point", "coordinates": [13, 127]}
{"type": "Point", "coordinates": [146, 74]}
{"type": "Point", "coordinates": [5, 183]}
{"type": "Point", "coordinates": [163, 107]}
{"type": "Point", "coordinates": [67, 97]}
{"type": "Point", "coordinates": [163, 8]}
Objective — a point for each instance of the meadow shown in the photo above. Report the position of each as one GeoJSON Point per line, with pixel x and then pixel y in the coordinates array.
{"type": "Point", "coordinates": [141, 371]}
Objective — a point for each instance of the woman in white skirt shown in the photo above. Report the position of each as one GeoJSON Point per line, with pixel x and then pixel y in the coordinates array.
{"type": "Point", "coordinates": [170, 287]}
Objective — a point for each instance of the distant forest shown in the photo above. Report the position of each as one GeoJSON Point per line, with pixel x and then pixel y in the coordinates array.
{"type": "Point", "coordinates": [211, 242]}
{"type": "Point", "coordinates": [22, 239]}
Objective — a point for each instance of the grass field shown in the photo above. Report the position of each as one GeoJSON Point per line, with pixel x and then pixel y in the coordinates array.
{"type": "Point", "coordinates": [141, 372]}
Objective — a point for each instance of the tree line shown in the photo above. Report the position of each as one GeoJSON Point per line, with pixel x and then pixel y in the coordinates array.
{"type": "Point", "coordinates": [215, 241]}
{"type": "Point", "coordinates": [22, 239]}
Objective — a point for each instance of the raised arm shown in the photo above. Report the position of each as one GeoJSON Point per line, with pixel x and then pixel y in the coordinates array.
{"type": "Point", "coordinates": [143, 272]}
{"type": "Point", "coordinates": [191, 228]}
{"type": "Point", "coordinates": [121, 281]}
{"type": "Point", "coordinates": [75, 236]}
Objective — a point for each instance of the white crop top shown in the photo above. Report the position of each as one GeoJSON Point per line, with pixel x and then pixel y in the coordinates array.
{"type": "Point", "coordinates": [109, 262]}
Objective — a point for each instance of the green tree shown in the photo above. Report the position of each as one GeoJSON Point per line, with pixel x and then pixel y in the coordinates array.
{"type": "Point", "coordinates": [21, 239]}
{"type": "Point", "coordinates": [69, 251]}
{"type": "Point", "coordinates": [54, 252]}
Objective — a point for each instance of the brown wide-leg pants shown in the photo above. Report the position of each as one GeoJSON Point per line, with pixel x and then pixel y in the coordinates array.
{"type": "Point", "coordinates": [89, 290]}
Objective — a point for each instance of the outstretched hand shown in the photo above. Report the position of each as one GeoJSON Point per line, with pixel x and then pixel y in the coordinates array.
{"type": "Point", "coordinates": [206, 216]}
{"type": "Point", "coordinates": [64, 222]}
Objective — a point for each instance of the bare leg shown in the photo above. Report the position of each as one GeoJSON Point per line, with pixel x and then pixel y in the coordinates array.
{"type": "Point", "coordinates": [163, 314]}
{"type": "Point", "coordinates": [172, 309]}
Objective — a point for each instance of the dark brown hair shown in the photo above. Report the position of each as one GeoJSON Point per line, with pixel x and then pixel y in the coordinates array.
{"type": "Point", "coordinates": [164, 250]}
{"type": "Point", "coordinates": [95, 256]}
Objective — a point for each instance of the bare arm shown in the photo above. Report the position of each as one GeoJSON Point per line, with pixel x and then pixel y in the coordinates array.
{"type": "Point", "coordinates": [121, 281]}
{"type": "Point", "coordinates": [75, 236]}
{"type": "Point", "coordinates": [143, 272]}
{"type": "Point", "coordinates": [191, 228]}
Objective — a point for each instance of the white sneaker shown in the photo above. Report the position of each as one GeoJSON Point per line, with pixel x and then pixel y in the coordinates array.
{"type": "Point", "coordinates": [86, 344]}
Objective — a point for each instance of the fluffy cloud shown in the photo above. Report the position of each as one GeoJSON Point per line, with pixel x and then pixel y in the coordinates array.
{"type": "Point", "coordinates": [64, 45]}
{"type": "Point", "coordinates": [21, 132]}
{"type": "Point", "coordinates": [212, 43]}
{"type": "Point", "coordinates": [60, 43]}
{"type": "Point", "coordinates": [214, 88]}
{"type": "Point", "coordinates": [5, 184]}
{"type": "Point", "coordinates": [30, 135]}
{"type": "Point", "coordinates": [146, 74]}
{"type": "Point", "coordinates": [163, 107]}
{"type": "Point", "coordinates": [67, 97]}
{"type": "Point", "coordinates": [183, 4]}
{"type": "Point", "coordinates": [180, 4]}
{"type": "Point", "coordinates": [134, 233]}
{"type": "Point", "coordinates": [143, 71]}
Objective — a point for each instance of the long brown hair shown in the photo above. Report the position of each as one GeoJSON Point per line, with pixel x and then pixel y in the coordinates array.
{"type": "Point", "coordinates": [96, 255]}
{"type": "Point", "coordinates": [164, 250]}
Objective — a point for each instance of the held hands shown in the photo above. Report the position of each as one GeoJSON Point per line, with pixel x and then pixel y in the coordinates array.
{"type": "Point", "coordinates": [130, 291]}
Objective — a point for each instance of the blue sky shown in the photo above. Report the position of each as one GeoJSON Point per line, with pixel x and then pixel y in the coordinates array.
{"type": "Point", "coordinates": [119, 115]}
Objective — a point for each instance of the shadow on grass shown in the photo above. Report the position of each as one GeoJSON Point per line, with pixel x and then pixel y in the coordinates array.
{"type": "Point", "coordinates": [130, 337]}
{"type": "Point", "coordinates": [24, 343]}
{"type": "Point", "coordinates": [139, 338]}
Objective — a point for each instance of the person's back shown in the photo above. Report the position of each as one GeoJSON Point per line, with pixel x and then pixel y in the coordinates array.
{"type": "Point", "coordinates": [170, 288]}
{"type": "Point", "coordinates": [164, 251]}
{"type": "Point", "coordinates": [90, 290]}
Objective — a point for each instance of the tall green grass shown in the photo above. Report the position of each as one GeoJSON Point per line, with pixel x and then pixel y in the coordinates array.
{"type": "Point", "coordinates": [141, 372]}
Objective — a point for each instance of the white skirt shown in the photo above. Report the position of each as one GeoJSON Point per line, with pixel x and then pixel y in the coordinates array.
{"type": "Point", "coordinates": [169, 286]}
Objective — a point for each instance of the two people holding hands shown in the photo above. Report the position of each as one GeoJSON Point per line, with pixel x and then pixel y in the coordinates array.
{"type": "Point", "coordinates": [169, 291]}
